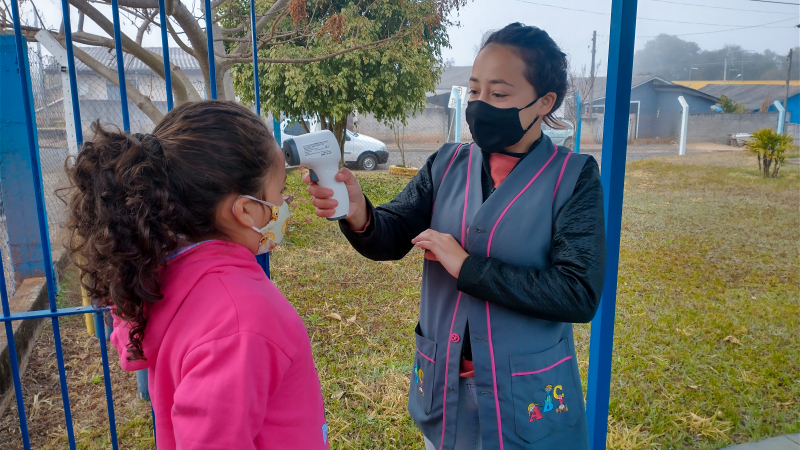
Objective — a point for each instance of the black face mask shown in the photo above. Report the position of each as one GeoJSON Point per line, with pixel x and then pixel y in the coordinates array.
{"type": "Point", "coordinates": [493, 128]}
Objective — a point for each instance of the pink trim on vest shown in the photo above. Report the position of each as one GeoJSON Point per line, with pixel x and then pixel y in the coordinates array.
{"type": "Point", "coordinates": [458, 300]}
{"type": "Point", "coordinates": [561, 175]}
{"type": "Point", "coordinates": [458, 149]}
{"type": "Point", "coordinates": [494, 377]}
{"type": "Point", "coordinates": [447, 370]}
{"type": "Point", "coordinates": [491, 235]}
{"type": "Point", "coordinates": [426, 356]}
{"type": "Point", "coordinates": [466, 197]}
{"type": "Point", "coordinates": [517, 374]}
{"type": "Point", "coordinates": [488, 317]}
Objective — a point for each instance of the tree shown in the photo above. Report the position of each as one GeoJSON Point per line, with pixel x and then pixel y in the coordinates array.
{"type": "Point", "coordinates": [389, 81]}
{"type": "Point", "coordinates": [730, 106]}
{"type": "Point", "coordinates": [279, 23]}
{"type": "Point", "coordinates": [672, 58]}
{"type": "Point", "coordinates": [770, 148]}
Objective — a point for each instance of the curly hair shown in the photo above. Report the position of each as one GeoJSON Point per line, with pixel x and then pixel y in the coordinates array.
{"type": "Point", "coordinates": [133, 199]}
{"type": "Point", "coordinates": [547, 66]}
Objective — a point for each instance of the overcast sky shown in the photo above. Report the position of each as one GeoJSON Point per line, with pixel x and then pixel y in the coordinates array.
{"type": "Point", "coordinates": [571, 22]}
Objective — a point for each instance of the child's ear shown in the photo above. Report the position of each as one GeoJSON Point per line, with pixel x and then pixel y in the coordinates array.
{"type": "Point", "coordinates": [243, 212]}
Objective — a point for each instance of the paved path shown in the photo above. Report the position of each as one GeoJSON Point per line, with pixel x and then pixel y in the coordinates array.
{"type": "Point", "coordinates": [788, 442]}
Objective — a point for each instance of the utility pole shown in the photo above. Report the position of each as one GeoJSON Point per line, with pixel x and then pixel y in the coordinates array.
{"type": "Point", "coordinates": [725, 73]}
{"type": "Point", "coordinates": [788, 77]}
{"type": "Point", "coordinates": [591, 76]}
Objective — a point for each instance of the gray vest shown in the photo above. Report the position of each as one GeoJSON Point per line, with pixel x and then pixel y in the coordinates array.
{"type": "Point", "coordinates": [526, 372]}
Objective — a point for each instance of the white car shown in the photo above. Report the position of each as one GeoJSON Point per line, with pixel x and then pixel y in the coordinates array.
{"type": "Point", "coordinates": [565, 137]}
{"type": "Point", "coordinates": [360, 150]}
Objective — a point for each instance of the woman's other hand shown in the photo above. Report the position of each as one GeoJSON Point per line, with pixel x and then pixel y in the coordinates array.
{"type": "Point", "coordinates": [444, 248]}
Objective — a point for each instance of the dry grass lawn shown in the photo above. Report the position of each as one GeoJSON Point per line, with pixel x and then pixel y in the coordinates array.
{"type": "Point", "coordinates": [707, 351]}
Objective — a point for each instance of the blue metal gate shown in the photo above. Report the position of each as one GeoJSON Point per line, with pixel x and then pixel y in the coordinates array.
{"type": "Point", "coordinates": [623, 24]}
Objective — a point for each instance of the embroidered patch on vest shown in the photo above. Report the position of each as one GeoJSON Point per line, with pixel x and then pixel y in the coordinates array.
{"type": "Point", "coordinates": [551, 392]}
{"type": "Point", "coordinates": [324, 433]}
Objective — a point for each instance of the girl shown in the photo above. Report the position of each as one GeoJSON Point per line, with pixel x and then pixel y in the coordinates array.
{"type": "Point", "coordinates": [515, 253]}
{"type": "Point", "coordinates": [167, 225]}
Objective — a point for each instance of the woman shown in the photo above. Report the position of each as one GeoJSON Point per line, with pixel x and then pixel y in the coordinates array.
{"type": "Point", "coordinates": [515, 253]}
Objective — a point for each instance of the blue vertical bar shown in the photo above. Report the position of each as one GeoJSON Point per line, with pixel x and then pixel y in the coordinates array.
{"type": "Point", "coordinates": [255, 55]}
{"type": "Point", "coordinates": [12, 354]}
{"type": "Point", "coordinates": [276, 129]}
{"type": "Point", "coordinates": [212, 68]}
{"type": "Point", "coordinates": [73, 77]}
{"type": "Point", "coordinates": [123, 90]}
{"type": "Point", "coordinates": [44, 232]}
{"type": "Point", "coordinates": [615, 138]}
{"type": "Point", "coordinates": [112, 420]}
{"type": "Point", "coordinates": [578, 115]}
{"type": "Point", "coordinates": [263, 260]}
{"type": "Point", "coordinates": [162, 17]}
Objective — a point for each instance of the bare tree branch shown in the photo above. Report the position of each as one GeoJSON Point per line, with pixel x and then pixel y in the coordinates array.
{"type": "Point", "coordinates": [81, 16]}
{"type": "Point", "coordinates": [145, 25]}
{"type": "Point", "coordinates": [150, 59]}
{"type": "Point", "coordinates": [178, 39]}
{"type": "Point", "coordinates": [93, 39]}
{"type": "Point", "coordinates": [262, 23]}
{"type": "Point", "coordinates": [238, 60]}
{"type": "Point", "coordinates": [140, 100]}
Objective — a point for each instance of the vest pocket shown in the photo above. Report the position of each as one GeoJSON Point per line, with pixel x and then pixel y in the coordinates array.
{"type": "Point", "coordinates": [546, 399]}
{"type": "Point", "coordinates": [423, 371]}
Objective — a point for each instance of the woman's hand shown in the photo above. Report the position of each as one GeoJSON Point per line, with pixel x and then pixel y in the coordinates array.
{"type": "Point", "coordinates": [445, 249]}
{"type": "Point", "coordinates": [326, 206]}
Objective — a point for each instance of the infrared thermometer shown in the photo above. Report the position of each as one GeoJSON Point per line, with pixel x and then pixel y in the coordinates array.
{"type": "Point", "coordinates": [319, 151]}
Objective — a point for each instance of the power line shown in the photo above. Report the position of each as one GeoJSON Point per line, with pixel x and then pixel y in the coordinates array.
{"type": "Point", "coordinates": [718, 31]}
{"type": "Point", "coordinates": [777, 3]}
{"type": "Point", "coordinates": [639, 18]}
{"type": "Point", "coordinates": [718, 7]}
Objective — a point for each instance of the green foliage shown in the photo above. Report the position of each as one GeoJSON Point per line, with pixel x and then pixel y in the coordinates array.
{"type": "Point", "coordinates": [388, 81]}
{"type": "Point", "coordinates": [770, 148]}
{"type": "Point", "coordinates": [730, 106]}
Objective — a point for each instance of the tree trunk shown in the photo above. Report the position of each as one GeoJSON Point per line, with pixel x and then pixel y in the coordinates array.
{"type": "Point", "coordinates": [767, 163]}
{"type": "Point", "coordinates": [339, 128]}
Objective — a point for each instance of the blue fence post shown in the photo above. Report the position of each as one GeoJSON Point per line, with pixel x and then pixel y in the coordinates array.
{"type": "Point", "coordinates": [12, 355]}
{"type": "Point", "coordinates": [579, 116]}
{"type": "Point", "coordinates": [112, 419]}
{"type": "Point", "coordinates": [615, 138]}
{"type": "Point", "coordinates": [16, 181]}
{"type": "Point", "coordinates": [212, 68]}
{"type": "Point", "coordinates": [162, 17]}
{"type": "Point", "coordinates": [73, 77]}
{"type": "Point", "coordinates": [123, 89]}
{"type": "Point", "coordinates": [263, 260]}
{"type": "Point", "coordinates": [44, 232]}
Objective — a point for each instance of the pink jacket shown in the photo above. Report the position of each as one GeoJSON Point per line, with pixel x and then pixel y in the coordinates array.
{"type": "Point", "coordinates": [229, 359]}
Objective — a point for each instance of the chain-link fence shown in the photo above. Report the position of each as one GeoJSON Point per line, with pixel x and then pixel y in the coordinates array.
{"type": "Point", "coordinates": [52, 141]}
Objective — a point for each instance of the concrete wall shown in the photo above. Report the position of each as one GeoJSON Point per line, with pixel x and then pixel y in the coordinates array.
{"type": "Point", "coordinates": [432, 126]}
{"type": "Point", "coordinates": [719, 127]}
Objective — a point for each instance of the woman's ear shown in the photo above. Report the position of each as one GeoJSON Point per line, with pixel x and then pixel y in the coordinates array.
{"type": "Point", "coordinates": [244, 212]}
{"type": "Point", "coordinates": [546, 103]}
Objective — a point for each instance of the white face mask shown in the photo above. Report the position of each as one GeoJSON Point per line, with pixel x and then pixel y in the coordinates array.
{"type": "Point", "coordinates": [271, 233]}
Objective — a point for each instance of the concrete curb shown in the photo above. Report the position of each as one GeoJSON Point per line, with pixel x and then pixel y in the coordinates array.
{"type": "Point", "coordinates": [31, 295]}
{"type": "Point", "coordinates": [788, 442]}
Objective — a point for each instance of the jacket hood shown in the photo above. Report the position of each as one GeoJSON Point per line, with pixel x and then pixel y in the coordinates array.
{"type": "Point", "coordinates": [179, 277]}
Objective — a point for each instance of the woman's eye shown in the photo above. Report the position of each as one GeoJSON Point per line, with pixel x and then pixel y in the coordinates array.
{"type": "Point", "coordinates": [498, 95]}
{"type": "Point", "coordinates": [473, 92]}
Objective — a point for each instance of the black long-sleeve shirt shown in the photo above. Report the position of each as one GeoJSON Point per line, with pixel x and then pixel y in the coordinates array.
{"type": "Point", "coordinates": [567, 291]}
